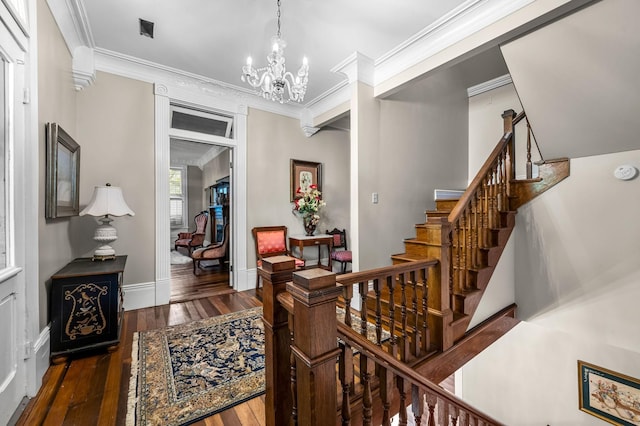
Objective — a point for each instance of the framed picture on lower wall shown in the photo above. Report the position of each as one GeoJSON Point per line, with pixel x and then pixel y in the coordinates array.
{"type": "Point", "coordinates": [610, 396]}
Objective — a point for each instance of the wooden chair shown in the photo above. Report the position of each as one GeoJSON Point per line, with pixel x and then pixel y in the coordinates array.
{"type": "Point", "coordinates": [271, 241]}
{"type": "Point", "coordinates": [344, 255]}
{"type": "Point", "coordinates": [195, 239]}
{"type": "Point", "coordinates": [213, 252]}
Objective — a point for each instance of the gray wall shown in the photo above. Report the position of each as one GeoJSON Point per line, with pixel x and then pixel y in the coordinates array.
{"type": "Point", "coordinates": [112, 121]}
{"type": "Point", "coordinates": [115, 129]}
{"type": "Point", "coordinates": [56, 103]}
{"type": "Point", "coordinates": [195, 191]}
{"type": "Point", "coordinates": [273, 140]}
{"type": "Point", "coordinates": [422, 146]}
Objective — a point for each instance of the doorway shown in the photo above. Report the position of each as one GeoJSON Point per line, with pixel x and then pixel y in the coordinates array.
{"type": "Point", "coordinates": [200, 210]}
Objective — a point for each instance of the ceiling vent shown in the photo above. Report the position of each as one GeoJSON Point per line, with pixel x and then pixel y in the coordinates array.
{"type": "Point", "coordinates": [201, 122]}
{"type": "Point", "coordinates": [146, 28]}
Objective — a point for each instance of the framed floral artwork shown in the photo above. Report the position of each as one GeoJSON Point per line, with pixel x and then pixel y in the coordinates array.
{"type": "Point", "coordinates": [610, 396]}
{"type": "Point", "coordinates": [303, 175]}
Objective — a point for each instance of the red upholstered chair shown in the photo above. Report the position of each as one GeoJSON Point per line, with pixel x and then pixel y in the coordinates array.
{"type": "Point", "coordinates": [271, 241]}
{"type": "Point", "coordinates": [195, 239]}
{"type": "Point", "coordinates": [213, 252]}
{"type": "Point", "coordinates": [343, 256]}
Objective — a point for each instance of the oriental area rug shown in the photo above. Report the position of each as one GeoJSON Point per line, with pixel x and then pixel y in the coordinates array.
{"type": "Point", "coordinates": [184, 373]}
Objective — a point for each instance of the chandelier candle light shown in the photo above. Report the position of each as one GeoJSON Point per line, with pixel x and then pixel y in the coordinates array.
{"type": "Point", "coordinates": [274, 78]}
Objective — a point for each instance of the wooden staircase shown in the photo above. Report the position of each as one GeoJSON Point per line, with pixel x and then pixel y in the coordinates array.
{"type": "Point", "coordinates": [410, 330]}
{"type": "Point", "coordinates": [468, 236]}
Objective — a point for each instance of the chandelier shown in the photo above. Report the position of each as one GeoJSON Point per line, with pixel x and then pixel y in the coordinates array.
{"type": "Point", "coordinates": [274, 81]}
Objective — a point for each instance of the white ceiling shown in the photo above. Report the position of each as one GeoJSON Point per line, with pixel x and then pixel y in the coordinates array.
{"type": "Point", "coordinates": [188, 153]}
{"type": "Point", "coordinates": [214, 38]}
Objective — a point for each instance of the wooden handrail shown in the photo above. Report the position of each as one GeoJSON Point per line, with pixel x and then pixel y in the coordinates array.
{"type": "Point", "coordinates": [477, 181]}
{"type": "Point", "coordinates": [519, 117]}
{"type": "Point", "coordinates": [356, 277]}
{"type": "Point", "coordinates": [373, 352]}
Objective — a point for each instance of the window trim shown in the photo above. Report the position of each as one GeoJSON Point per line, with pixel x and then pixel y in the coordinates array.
{"type": "Point", "coordinates": [184, 197]}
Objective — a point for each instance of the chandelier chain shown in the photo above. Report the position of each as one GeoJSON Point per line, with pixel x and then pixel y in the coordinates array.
{"type": "Point", "coordinates": [278, 18]}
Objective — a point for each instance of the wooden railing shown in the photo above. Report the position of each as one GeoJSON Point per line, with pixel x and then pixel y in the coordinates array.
{"type": "Point", "coordinates": [406, 315]}
{"type": "Point", "coordinates": [481, 207]}
{"type": "Point", "coordinates": [334, 364]}
{"type": "Point", "coordinates": [320, 358]}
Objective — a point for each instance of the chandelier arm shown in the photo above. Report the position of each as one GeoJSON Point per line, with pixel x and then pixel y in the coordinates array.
{"type": "Point", "coordinates": [254, 81]}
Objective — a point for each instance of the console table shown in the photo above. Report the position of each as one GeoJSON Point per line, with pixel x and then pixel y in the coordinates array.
{"type": "Point", "coordinates": [302, 241]}
{"type": "Point", "coordinates": [86, 306]}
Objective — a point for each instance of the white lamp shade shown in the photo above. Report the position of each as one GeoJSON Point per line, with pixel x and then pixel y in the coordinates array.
{"type": "Point", "coordinates": [107, 200]}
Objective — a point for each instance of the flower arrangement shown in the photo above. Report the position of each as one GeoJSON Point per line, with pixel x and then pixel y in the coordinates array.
{"type": "Point", "coordinates": [308, 205]}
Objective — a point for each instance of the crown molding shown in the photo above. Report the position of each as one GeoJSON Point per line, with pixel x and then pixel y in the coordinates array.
{"type": "Point", "coordinates": [460, 23]}
{"type": "Point", "coordinates": [139, 69]}
{"type": "Point", "coordinates": [503, 80]}
{"type": "Point", "coordinates": [83, 67]}
{"type": "Point", "coordinates": [71, 17]}
{"type": "Point", "coordinates": [210, 155]}
{"type": "Point", "coordinates": [357, 67]}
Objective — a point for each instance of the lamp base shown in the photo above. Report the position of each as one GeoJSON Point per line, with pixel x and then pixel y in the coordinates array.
{"type": "Point", "coordinates": [105, 234]}
{"type": "Point", "coordinates": [103, 257]}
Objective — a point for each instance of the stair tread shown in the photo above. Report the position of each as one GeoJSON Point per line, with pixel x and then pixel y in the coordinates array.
{"type": "Point", "coordinates": [467, 292]}
{"type": "Point", "coordinates": [407, 256]}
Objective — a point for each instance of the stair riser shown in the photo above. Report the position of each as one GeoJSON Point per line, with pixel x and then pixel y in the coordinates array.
{"type": "Point", "coordinates": [447, 205]}
{"type": "Point", "coordinates": [431, 234]}
{"type": "Point", "coordinates": [422, 250]}
{"type": "Point", "coordinates": [467, 303]}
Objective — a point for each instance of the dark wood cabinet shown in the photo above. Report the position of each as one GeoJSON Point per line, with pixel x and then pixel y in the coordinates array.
{"type": "Point", "coordinates": [219, 208]}
{"type": "Point", "coordinates": [86, 306]}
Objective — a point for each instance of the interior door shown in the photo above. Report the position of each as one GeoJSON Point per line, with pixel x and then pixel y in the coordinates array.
{"type": "Point", "coordinates": [12, 226]}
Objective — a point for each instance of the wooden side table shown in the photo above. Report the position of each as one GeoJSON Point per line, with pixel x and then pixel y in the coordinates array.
{"type": "Point", "coordinates": [302, 241]}
{"type": "Point", "coordinates": [86, 306]}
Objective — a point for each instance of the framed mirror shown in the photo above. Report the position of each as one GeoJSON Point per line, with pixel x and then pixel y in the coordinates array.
{"type": "Point", "coordinates": [63, 173]}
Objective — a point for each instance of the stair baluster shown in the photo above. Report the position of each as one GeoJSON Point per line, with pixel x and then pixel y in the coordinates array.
{"type": "Point", "coordinates": [345, 366]}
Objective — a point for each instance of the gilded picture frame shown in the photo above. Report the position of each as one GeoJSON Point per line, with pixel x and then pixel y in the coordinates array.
{"type": "Point", "coordinates": [62, 195]}
{"type": "Point", "coordinates": [608, 395]}
{"type": "Point", "coordinates": [304, 174]}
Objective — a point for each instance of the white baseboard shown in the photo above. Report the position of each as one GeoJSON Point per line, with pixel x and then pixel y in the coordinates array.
{"type": "Point", "coordinates": [246, 279]}
{"type": "Point", "coordinates": [42, 352]}
{"type": "Point", "coordinates": [139, 295]}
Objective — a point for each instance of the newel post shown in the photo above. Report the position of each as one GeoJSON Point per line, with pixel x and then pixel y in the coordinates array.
{"type": "Point", "coordinates": [276, 272]}
{"type": "Point", "coordinates": [315, 348]}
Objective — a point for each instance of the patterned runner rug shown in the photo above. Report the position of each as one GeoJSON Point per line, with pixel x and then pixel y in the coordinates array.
{"type": "Point", "coordinates": [187, 372]}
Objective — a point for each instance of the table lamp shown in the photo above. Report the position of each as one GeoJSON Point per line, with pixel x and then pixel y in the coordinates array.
{"type": "Point", "coordinates": [106, 201]}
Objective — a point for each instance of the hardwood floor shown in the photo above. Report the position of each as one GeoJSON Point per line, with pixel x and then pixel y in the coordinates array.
{"type": "Point", "coordinates": [210, 281]}
{"type": "Point", "coordinates": [92, 390]}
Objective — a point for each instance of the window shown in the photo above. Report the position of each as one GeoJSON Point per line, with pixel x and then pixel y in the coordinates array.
{"type": "Point", "coordinates": [178, 196]}
{"type": "Point", "coordinates": [201, 122]}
